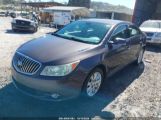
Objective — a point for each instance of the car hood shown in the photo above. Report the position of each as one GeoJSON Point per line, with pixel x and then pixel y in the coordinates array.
{"type": "Point", "coordinates": [50, 48]}
{"type": "Point", "coordinates": [150, 29]}
{"type": "Point", "coordinates": [23, 19]}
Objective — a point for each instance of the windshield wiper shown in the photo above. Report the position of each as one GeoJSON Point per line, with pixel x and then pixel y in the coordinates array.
{"type": "Point", "coordinates": [55, 34]}
{"type": "Point", "coordinates": [66, 37]}
{"type": "Point", "coordinates": [79, 40]}
{"type": "Point", "coordinates": [72, 38]}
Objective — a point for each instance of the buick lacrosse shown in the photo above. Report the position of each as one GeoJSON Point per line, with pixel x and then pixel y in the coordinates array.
{"type": "Point", "coordinates": [76, 59]}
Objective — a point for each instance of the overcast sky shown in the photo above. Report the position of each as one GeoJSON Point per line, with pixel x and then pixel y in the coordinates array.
{"type": "Point", "coordinates": [127, 3]}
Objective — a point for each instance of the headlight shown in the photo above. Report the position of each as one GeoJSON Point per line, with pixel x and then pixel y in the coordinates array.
{"type": "Point", "coordinates": [158, 35]}
{"type": "Point", "coordinates": [32, 23]}
{"type": "Point", "coordinates": [60, 70]}
{"type": "Point", "coordinates": [13, 21]}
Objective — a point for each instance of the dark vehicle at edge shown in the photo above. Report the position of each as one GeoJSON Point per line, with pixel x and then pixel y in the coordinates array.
{"type": "Point", "coordinates": [76, 59]}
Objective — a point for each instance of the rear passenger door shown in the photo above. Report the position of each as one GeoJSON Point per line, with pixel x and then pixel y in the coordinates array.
{"type": "Point", "coordinates": [134, 41]}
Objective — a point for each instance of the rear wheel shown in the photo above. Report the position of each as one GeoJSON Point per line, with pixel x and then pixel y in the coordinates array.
{"type": "Point", "coordinates": [35, 30]}
{"type": "Point", "coordinates": [93, 83]}
{"type": "Point", "coordinates": [14, 30]}
{"type": "Point", "coordinates": [140, 57]}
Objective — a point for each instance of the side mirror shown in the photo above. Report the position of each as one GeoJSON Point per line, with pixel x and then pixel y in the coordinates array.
{"type": "Point", "coordinates": [118, 41]}
{"type": "Point", "coordinates": [13, 15]}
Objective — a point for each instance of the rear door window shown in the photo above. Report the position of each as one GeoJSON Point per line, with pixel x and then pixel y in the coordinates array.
{"type": "Point", "coordinates": [133, 31]}
{"type": "Point", "coordinates": [120, 32]}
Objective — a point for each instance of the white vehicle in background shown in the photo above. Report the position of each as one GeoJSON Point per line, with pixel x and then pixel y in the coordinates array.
{"type": "Point", "coordinates": [63, 15]}
{"type": "Point", "coordinates": [28, 23]}
{"type": "Point", "coordinates": [62, 18]}
{"type": "Point", "coordinates": [152, 29]}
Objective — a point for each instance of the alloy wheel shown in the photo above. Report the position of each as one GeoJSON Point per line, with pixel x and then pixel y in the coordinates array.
{"type": "Point", "coordinates": [94, 84]}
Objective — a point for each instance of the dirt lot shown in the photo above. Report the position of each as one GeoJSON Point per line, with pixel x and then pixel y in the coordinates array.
{"type": "Point", "coordinates": [133, 92]}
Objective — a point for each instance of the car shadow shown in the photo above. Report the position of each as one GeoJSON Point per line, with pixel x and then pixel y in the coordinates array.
{"type": "Point", "coordinates": [154, 48]}
{"type": "Point", "coordinates": [15, 104]}
{"type": "Point", "coordinates": [18, 32]}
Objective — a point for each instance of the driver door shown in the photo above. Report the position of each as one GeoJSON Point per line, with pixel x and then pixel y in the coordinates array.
{"type": "Point", "coordinates": [118, 51]}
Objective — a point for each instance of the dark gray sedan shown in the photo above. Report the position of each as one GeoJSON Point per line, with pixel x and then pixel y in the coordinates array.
{"type": "Point", "coordinates": [76, 59]}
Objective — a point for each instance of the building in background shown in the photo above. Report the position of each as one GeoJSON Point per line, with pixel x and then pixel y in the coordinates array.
{"type": "Point", "coordinates": [47, 10]}
{"type": "Point", "coordinates": [113, 15]}
{"type": "Point", "coordinates": [37, 6]}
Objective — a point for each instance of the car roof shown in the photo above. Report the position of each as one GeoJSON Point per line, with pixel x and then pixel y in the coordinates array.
{"type": "Point", "coordinates": [107, 21]}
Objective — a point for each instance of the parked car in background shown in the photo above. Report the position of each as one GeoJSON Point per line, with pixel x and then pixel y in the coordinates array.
{"type": "Point", "coordinates": [152, 29]}
{"type": "Point", "coordinates": [76, 59]}
{"type": "Point", "coordinates": [2, 14]}
{"type": "Point", "coordinates": [13, 14]}
{"type": "Point", "coordinates": [24, 24]}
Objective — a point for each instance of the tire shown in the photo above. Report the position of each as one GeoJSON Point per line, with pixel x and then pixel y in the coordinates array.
{"type": "Point", "coordinates": [140, 57]}
{"type": "Point", "coordinates": [91, 86]}
{"type": "Point", "coordinates": [14, 30]}
{"type": "Point", "coordinates": [35, 30]}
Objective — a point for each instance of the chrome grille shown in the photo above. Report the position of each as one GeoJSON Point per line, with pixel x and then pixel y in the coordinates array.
{"type": "Point", "coordinates": [23, 23]}
{"type": "Point", "coordinates": [25, 64]}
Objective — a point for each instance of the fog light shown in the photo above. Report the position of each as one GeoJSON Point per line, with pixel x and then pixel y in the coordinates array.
{"type": "Point", "coordinates": [55, 96]}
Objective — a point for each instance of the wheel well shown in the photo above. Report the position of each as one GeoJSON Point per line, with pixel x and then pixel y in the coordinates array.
{"type": "Point", "coordinates": [144, 47]}
{"type": "Point", "coordinates": [103, 68]}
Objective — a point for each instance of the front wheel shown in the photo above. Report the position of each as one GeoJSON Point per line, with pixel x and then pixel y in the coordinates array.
{"type": "Point", "coordinates": [14, 30]}
{"type": "Point", "coordinates": [93, 83]}
{"type": "Point", "coordinates": [35, 30]}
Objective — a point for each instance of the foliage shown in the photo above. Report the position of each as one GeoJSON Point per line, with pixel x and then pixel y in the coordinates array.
{"type": "Point", "coordinates": [100, 6]}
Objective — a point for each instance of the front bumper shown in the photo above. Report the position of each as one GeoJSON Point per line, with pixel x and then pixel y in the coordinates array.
{"type": "Point", "coordinates": [152, 40]}
{"type": "Point", "coordinates": [49, 89]}
{"type": "Point", "coordinates": [20, 27]}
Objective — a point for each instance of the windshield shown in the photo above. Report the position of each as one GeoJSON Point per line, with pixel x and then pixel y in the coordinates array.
{"type": "Point", "coordinates": [150, 25]}
{"type": "Point", "coordinates": [84, 31]}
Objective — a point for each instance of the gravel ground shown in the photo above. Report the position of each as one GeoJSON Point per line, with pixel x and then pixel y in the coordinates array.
{"type": "Point", "coordinates": [133, 92]}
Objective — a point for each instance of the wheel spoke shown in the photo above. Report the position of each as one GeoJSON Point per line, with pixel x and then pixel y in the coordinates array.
{"type": "Point", "coordinates": [94, 83]}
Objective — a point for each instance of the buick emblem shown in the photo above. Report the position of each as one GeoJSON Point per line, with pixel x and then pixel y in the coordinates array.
{"type": "Point", "coordinates": [19, 63]}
